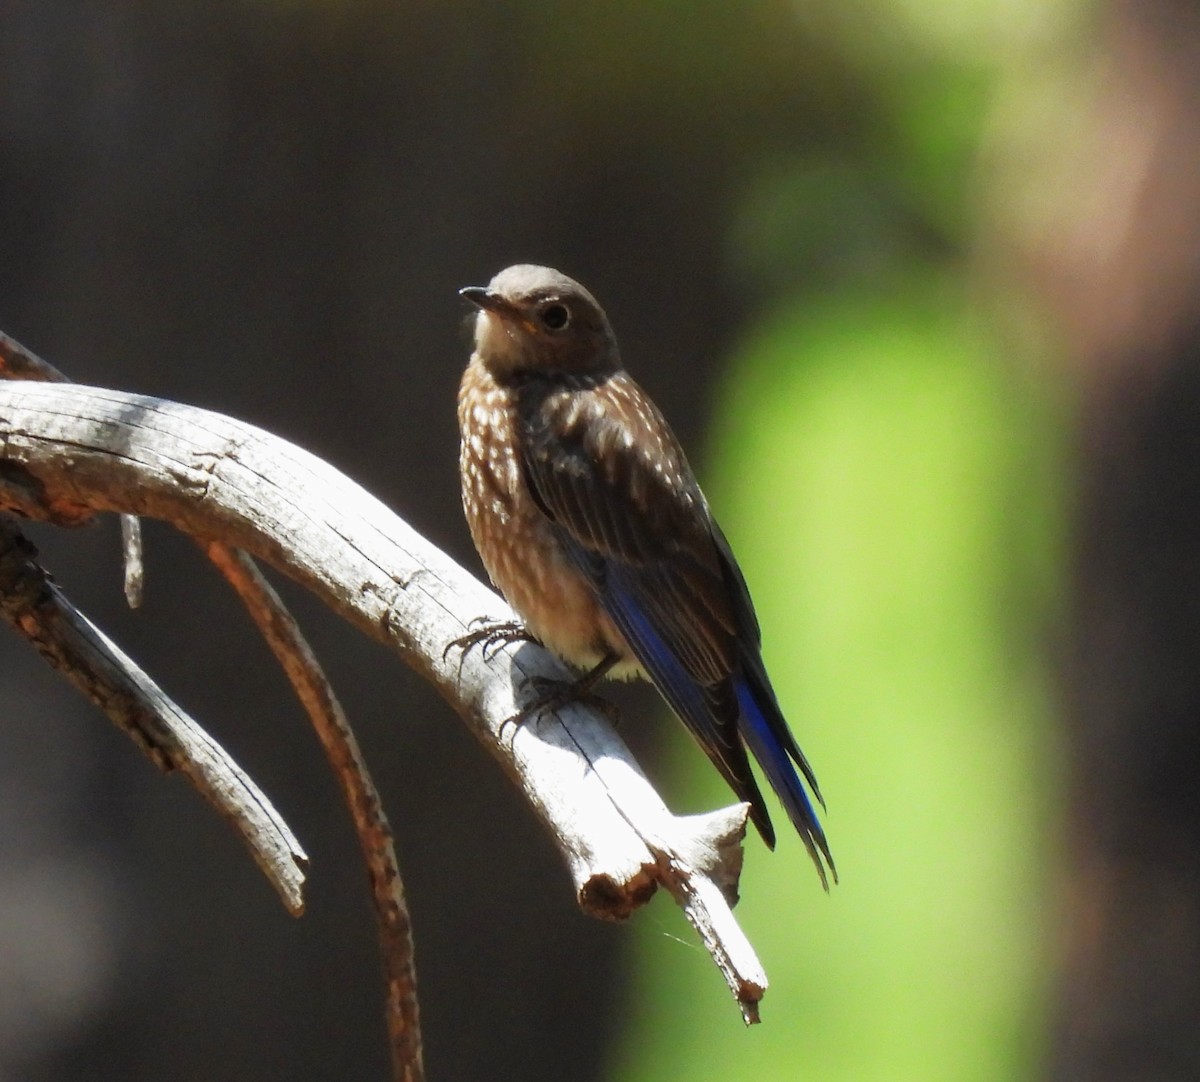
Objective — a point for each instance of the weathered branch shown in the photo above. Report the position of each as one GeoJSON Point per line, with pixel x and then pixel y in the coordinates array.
{"type": "Point", "coordinates": [316, 694]}
{"type": "Point", "coordinates": [70, 450]}
{"type": "Point", "coordinates": [374, 835]}
{"type": "Point", "coordinates": [168, 736]}
{"type": "Point", "coordinates": [17, 362]}
{"type": "Point", "coordinates": [131, 554]}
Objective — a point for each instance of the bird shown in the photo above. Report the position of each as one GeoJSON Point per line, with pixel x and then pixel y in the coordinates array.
{"type": "Point", "coordinates": [590, 522]}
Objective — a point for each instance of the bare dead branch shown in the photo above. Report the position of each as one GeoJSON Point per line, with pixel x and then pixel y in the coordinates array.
{"type": "Point", "coordinates": [74, 646]}
{"type": "Point", "coordinates": [374, 835]}
{"type": "Point", "coordinates": [131, 553]}
{"type": "Point", "coordinates": [307, 678]}
{"type": "Point", "coordinates": [16, 362]}
{"type": "Point", "coordinates": [69, 450]}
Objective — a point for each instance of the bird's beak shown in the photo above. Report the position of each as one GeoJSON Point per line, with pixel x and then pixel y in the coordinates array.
{"type": "Point", "coordinates": [484, 298]}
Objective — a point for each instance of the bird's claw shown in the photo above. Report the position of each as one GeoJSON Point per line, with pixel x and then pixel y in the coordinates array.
{"type": "Point", "coordinates": [491, 635]}
{"type": "Point", "coordinates": [553, 694]}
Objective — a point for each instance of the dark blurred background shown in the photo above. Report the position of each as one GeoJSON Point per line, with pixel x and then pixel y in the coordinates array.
{"type": "Point", "coordinates": [917, 285]}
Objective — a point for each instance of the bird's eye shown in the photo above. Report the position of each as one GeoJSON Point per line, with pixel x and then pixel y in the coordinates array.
{"type": "Point", "coordinates": [554, 317]}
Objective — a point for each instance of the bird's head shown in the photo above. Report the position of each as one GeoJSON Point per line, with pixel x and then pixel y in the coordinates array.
{"type": "Point", "coordinates": [534, 318]}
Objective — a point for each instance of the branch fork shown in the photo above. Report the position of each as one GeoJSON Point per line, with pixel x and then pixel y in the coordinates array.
{"type": "Point", "coordinates": [68, 451]}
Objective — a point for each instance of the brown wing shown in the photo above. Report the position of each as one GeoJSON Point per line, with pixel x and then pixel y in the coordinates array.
{"type": "Point", "coordinates": [605, 468]}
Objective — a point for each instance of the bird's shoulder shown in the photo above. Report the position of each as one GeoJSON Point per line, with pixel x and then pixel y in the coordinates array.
{"type": "Point", "coordinates": [612, 431]}
{"type": "Point", "coordinates": [602, 462]}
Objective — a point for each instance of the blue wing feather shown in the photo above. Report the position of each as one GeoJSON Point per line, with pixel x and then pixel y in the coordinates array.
{"type": "Point", "coordinates": [755, 725]}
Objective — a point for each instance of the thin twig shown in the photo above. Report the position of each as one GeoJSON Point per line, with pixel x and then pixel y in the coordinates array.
{"type": "Point", "coordinates": [73, 645]}
{"type": "Point", "coordinates": [313, 689]}
{"type": "Point", "coordinates": [135, 565]}
{"type": "Point", "coordinates": [16, 362]}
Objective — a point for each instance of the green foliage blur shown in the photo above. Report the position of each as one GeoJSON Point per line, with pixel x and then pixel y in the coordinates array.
{"type": "Point", "coordinates": [890, 472]}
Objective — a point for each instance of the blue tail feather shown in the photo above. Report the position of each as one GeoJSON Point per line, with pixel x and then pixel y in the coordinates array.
{"type": "Point", "coordinates": [760, 733]}
{"type": "Point", "coordinates": [727, 718]}
{"type": "Point", "coordinates": [687, 698]}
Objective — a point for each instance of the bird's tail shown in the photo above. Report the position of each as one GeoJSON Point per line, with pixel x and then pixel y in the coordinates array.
{"type": "Point", "coordinates": [765, 731]}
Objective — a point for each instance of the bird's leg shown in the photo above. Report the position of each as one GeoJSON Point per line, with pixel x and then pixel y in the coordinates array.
{"type": "Point", "coordinates": [491, 634]}
{"type": "Point", "coordinates": [580, 688]}
{"type": "Point", "coordinates": [553, 694]}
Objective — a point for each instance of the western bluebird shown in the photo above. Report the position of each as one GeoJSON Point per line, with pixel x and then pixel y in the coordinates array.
{"type": "Point", "coordinates": [589, 520]}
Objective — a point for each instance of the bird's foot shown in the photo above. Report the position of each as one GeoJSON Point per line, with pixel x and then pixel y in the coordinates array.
{"type": "Point", "coordinates": [557, 693]}
{"type": "Point", "coordinates": [491, 635]}
{"type": "Point", "coordinates": [552, 695]}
